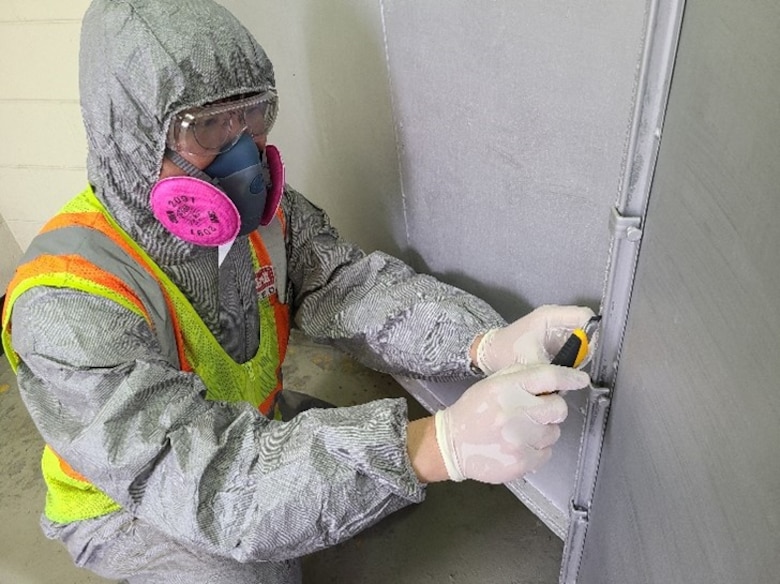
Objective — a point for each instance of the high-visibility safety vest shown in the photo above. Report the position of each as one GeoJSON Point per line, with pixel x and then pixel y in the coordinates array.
{"type": "Point", "coordinates": [83, 248]}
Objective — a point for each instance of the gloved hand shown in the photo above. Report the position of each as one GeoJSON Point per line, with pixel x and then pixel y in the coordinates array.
{"type": "Point", "coordinates": [535, 338]}
{"type": "Point", "coordinates": [504, 426]}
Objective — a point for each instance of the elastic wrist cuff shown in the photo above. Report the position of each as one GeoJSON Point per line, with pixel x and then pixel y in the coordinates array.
{"type": "Point", "coordinates": [481, 349]}
{"type": "Point", "coordinates": [445, 447]}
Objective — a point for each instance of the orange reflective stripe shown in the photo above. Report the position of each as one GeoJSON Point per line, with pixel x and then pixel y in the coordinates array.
{"type": "Point", "coordinates": [6, 305]}
{"type": "Point", "coordinates": [282, 219]}
{"type": "Point", "coordinates": [67, 469]}
{"type": "Point", "coordinates": [73, 264]}
{"type": "Point", "coordinates": [282, 313]}
{"type": "Point", "coordinates": [281, 316]}
{"type": "Point", "coordinates": [68, 219]}
{"type": "Point", "coordinates": [184, 363]}
{"type": "Point", "coordinates": [267, 406]}
{"type": "Point", "coordinates": [282, 319]}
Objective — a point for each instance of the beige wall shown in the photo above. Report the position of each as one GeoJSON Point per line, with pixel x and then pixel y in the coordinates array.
{"type": "Point", "coordinates": [334, 131]}
{"type": "Point", "coordinates": [42, 146]}
{"type": "Point", "coordinates": [42, 153]}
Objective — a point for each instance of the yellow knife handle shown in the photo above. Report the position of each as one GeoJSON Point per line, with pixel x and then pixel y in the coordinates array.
{"type": "Point", "coordinates": [576, 347]}
{"type": "Point", "coordinates": [574, 350]}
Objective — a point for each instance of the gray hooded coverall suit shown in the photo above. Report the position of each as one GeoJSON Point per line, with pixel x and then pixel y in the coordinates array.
{"type": "Point", "coordinates": [230, 510]}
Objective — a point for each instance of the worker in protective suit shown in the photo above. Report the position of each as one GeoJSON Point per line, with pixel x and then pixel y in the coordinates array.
{"type": "Point", "coordinates": [149, 319]}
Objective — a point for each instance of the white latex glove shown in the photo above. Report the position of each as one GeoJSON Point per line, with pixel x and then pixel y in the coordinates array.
{"type": "Point", "coordinates": [535, 338]}
{"type": "Point", "coordinates": [503, 426]}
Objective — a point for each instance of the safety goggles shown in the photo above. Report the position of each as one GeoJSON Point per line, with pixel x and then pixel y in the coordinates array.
{"type": "Point", "coordinates": [215, 128]}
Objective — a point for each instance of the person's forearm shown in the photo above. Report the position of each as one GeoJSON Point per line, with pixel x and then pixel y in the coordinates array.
{"type": "Point", "coordinates": [376, 308]}
{"type": "Point", "coordinates": [424, 451]}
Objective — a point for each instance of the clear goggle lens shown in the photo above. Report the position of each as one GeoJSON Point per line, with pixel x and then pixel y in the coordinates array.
{"type": "Point", "coordinates": [216, 128]}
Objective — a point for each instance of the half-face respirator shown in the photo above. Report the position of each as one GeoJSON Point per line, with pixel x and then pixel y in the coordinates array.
{"type": "Point", "coordinates": [234, 195]}
{"type": "Point", "coordinates": [237, 192]}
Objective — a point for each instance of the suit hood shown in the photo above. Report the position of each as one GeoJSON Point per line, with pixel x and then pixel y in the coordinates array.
{"type": "Point", "coordinates": [141, 62]}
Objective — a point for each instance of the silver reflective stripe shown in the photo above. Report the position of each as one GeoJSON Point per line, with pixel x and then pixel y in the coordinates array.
{"type": "Point", "coordinates": [273, 238]}
{"type": "Point", "coordinates": [95, 247]}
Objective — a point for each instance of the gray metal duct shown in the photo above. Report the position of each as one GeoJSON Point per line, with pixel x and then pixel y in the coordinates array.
{"type": "Point", "coordinates": [515, 124]}
{"type": "Point", "coordinates": [689, 485]}
{"type": "Point", "coordinates": [528, 140]}
{"type": "Point", "coordinates": [628, 219]}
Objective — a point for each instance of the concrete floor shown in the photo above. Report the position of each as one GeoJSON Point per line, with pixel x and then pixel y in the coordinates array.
{"type": "Point", "coordinates": [466, 533]}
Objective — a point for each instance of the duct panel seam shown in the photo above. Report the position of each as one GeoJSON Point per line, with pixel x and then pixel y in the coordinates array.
{"type": "Point", "coordinates": [575, 542]}
{"type": "Point", "coordinates": [590, 451]}
{"type": "Point", "coordinates": [655, 77]}
{"type": "Point", "coordinates": [585, 482]}
{"type": "Point", "coordinates": [396, 123]}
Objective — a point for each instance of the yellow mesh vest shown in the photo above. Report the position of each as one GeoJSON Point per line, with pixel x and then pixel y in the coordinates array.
{"type": "Point", "coordinates": [70, 496]}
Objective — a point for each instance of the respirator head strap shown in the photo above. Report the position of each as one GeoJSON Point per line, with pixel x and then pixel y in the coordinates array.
{"type": "Point", "coordinates": [187, 166]}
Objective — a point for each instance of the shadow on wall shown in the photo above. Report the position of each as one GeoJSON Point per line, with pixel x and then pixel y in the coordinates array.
{"type": "Point", "coordinates": [10, 254]}
{"type": "Point", "coordinates": [508, 302]}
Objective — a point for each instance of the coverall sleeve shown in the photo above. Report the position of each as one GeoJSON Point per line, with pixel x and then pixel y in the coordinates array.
{"type": "Point", "coordinates": [375, 307]}
{"type": "Point", "coordinates": [215, 475]}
